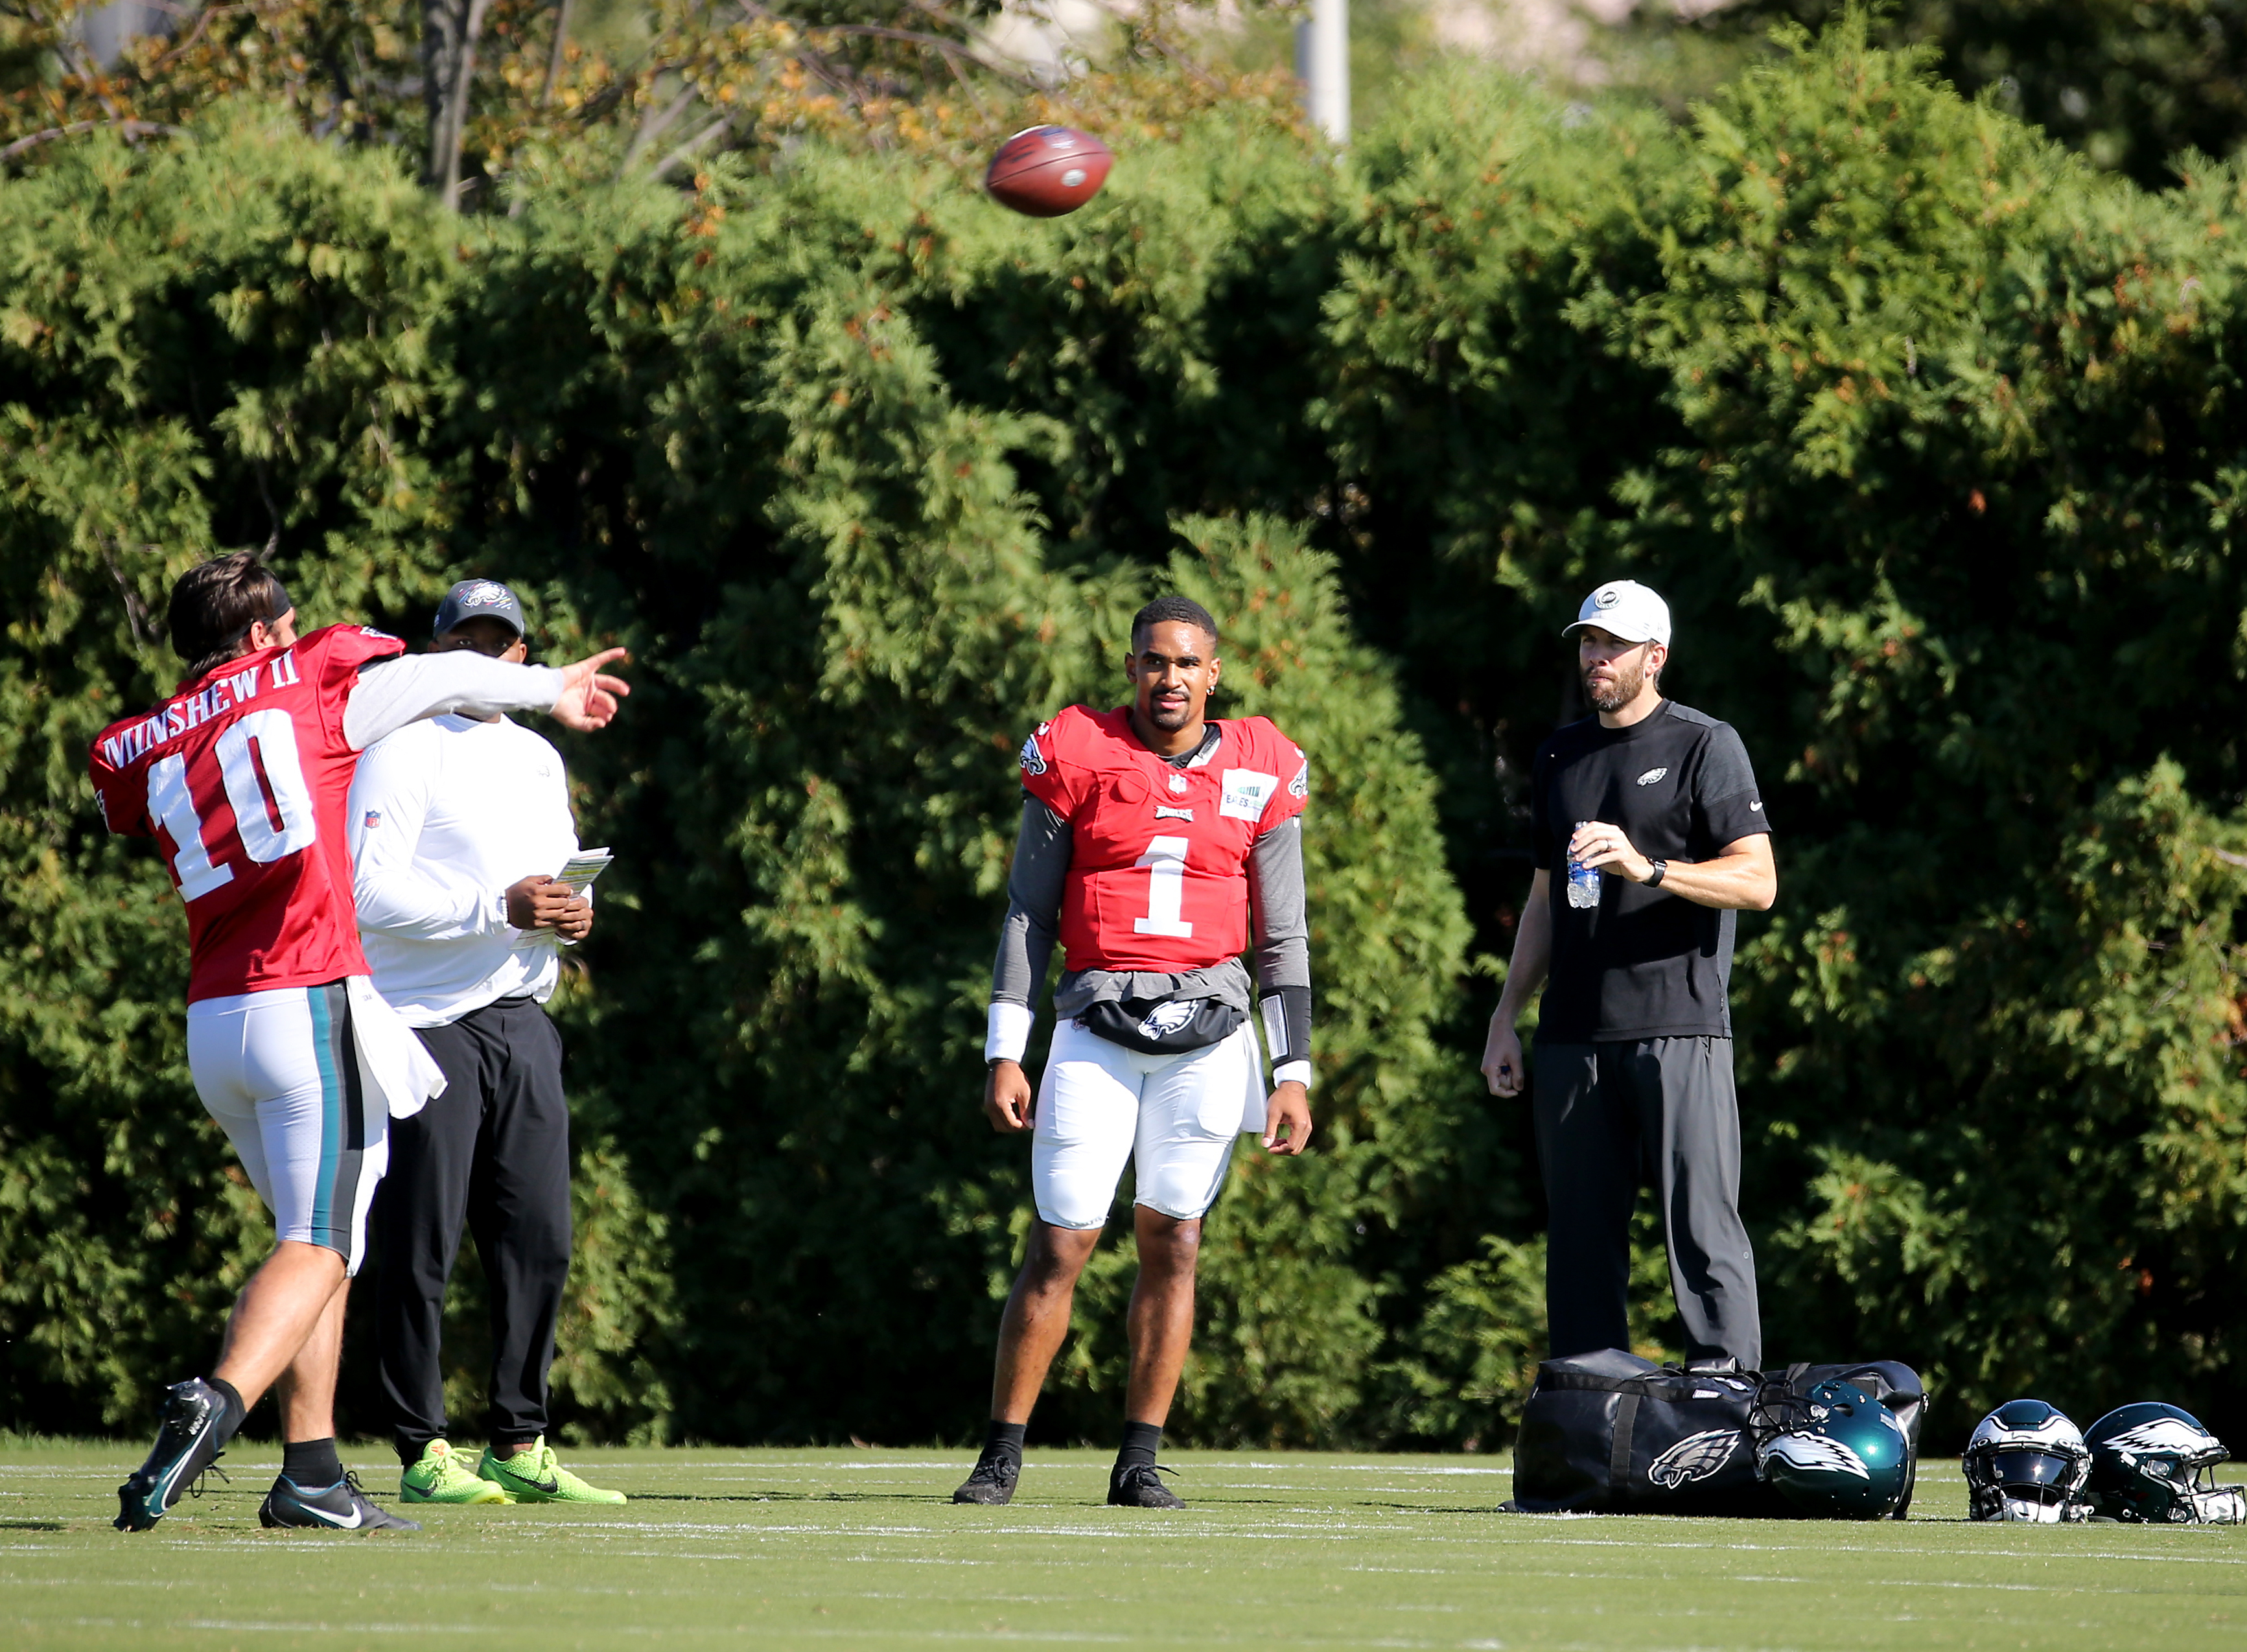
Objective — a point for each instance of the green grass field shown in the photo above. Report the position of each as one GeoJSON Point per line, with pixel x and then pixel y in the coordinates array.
{"type": "Point", "coordinates": [838, 1549]}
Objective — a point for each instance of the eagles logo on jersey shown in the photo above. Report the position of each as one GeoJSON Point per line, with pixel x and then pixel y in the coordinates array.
{"type": "Point", "coordinates": [1034, 760]}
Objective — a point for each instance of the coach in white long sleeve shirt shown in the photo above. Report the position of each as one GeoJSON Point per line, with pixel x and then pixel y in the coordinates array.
{"type": "Point", "coordinates": [458, 828]}
{"type": "Point", "coordinates": [448, 817]}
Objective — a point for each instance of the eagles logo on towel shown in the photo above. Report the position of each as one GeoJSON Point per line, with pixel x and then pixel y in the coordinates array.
{"type": "Point", "coordinates": [1695, 1457]}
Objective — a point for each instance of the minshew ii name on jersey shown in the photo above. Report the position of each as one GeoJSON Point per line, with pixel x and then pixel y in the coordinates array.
{"type": "Point", "coordinates": [221, 695]}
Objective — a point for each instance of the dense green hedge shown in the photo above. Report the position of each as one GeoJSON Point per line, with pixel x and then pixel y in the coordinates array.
{"type": "Point", "coordinates": [1928, 431]}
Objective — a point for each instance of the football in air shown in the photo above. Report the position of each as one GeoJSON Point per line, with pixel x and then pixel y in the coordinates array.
{"type": "Point", "coordinates": [1048, 171]}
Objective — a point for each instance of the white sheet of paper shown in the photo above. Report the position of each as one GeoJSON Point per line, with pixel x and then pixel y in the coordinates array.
{"type": "Point", "coordinates": [582, 868]}
{"type": "Point", "coordinates": [578, 872]}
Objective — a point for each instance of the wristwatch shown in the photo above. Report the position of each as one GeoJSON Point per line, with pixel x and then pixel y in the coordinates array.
{"type": "Point", "coordinates": [1660, 871]}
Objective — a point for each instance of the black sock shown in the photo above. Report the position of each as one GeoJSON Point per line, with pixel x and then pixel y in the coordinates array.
{"type": "Point", "coordinates": [1004, 1440]}
{"type": "Point", "coordinates": [411, 1451]}
{"type": "Point", "coordinates": [311, 1464]}
{"type": "Point", "coordinates": [235, 1414]}
{"type": "Point", "coordinates": [1141, 1442]}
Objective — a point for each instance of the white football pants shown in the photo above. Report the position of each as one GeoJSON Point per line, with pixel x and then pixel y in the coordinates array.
{"type": "Point", "coordinates": [279, 1072]}
{"type": "Point", "coordinates": [1173, 1117]}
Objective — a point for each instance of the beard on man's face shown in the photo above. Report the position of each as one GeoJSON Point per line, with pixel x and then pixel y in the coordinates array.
{"type": "Point", "coordinates": [1619, 690]}
{"type": "Point", "coordinates": [1173, 713]}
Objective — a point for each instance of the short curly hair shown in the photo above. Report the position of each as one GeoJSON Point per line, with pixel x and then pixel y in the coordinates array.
{"type": "Point", "coordinates": [1183, 611]}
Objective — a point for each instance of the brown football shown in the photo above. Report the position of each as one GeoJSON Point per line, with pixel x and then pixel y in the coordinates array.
{"type": "Point", "coordinates": [1047, 171]}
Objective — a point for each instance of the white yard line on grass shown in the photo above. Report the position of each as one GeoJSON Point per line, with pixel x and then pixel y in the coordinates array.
{"type": "Point", "coordinates": [1373, 1468]}
{"type": "Point", "coordinates": [252, 1625]}
{"type": "Point", "coordinates": [965, 1459]}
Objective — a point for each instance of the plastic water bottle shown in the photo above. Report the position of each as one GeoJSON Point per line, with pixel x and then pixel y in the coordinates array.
{"type": "Point", "coordinates": [1583, 881]}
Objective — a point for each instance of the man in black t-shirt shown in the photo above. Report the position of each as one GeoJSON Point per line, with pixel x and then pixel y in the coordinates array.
{"type": "Point", "coordinates": [1649, 833]}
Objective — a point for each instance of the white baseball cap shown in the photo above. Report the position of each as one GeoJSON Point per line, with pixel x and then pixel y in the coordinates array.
{"type": "Point", "coordinates": [1627, 609]}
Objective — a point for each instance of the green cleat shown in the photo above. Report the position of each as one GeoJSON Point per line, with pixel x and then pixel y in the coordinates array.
{"type": "Point", "coordinates": [535, 1476]}
{"type": "Point", "coordinates": [440, 1476]}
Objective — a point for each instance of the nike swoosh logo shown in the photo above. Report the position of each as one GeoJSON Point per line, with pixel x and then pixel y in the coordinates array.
{"type": "Point", "coordinates": [1755, 809]}
{"type": "Point", "coordinates": [546, 1487]}
{"type": "Point", "coordinates": [357, 1519]}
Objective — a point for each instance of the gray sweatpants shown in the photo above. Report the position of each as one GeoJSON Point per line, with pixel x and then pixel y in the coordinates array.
{"type": "Point", "coordinates": [1613, 1118]}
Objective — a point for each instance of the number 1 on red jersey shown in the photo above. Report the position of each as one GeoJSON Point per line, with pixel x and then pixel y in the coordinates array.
{"type": "Point", "coordinates": [1165, 860]}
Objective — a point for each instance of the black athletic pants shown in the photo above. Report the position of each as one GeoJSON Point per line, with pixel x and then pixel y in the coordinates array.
{"type": "Point", "coordinates": [1613, 1118]}
{"type": "Point", "coordinates": [494, 1150]}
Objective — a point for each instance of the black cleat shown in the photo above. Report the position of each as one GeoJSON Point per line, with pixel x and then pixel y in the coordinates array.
{"type": "Point", "coordinates": [188, 1443]}
{"type": "Point", "coordinates": [1139, 1485]}
{"type": "Point", "coordinates": [341, 1507]}
{"type": "Point", "coordinates": [992, 1482]}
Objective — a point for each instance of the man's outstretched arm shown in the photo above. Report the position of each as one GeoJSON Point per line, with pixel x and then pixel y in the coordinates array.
{"type": "Point", "coordinates": [391, 693]}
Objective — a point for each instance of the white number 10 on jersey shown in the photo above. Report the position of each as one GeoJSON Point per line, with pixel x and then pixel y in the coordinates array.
{"type": "Point", "coordinates": [1165, 860]}
{"type": "Point", "coordinates": [265, 782]}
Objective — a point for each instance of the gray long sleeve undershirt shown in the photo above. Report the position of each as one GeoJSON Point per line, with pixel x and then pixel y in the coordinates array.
{"type": "Point", "coordinates": [405, 688]}
{"type": "Point", "coordinates": [1278, 928]}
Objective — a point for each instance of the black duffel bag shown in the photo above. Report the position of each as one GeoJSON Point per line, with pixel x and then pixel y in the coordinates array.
{"type": "Point", "coordinates": [1611, 1433]}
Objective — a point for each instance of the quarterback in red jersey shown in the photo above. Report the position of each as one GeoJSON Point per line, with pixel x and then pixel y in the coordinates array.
{"type": "Point", "coordinates": [1157, 846]}
{"type": "Point", "coordinates": [241, 778]}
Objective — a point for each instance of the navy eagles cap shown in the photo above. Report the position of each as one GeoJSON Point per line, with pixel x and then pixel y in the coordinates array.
{"type": "Point", "coordinates": [478, 599]}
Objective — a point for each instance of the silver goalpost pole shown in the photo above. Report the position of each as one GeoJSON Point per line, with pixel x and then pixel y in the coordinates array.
{"type": "Point", "coordinates": [1323, 64]}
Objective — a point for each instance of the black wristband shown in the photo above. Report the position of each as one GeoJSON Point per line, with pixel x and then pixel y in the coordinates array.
{"type": "Point", "coordinates": [1660, 871]}
{"type": "Point", "coordinates": [1286, 1013]}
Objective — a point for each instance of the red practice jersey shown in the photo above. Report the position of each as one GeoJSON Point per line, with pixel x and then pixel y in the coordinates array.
{"type": "Point", "coordinates": [1159, 856]}
{"type": "Point", "coordinates": [241, 778]}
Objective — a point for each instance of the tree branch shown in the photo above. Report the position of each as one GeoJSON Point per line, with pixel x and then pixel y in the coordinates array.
{"type": "Point", "coordinates": [204, 18]}
{"type": "Point", "coordinates": [931, 42]}
{"type": "Point", "coordinates": [554, 58]}
{"type": "Point", "coordinates": [910, 37]}
{"type": "Point", "coordinates": [686, 151]}
{"type": "Point", "coordinates": [450, 31]}
{"type": "Point", "coordinates": [129, 128]}
{"type": "Point", "coordinates": [654, 124]}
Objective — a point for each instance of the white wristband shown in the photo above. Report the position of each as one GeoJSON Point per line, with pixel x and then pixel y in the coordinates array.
{"type": "Point", "coordinates": [1293, 1073]}
{"type": "Point", "coordinates": [1008, 1032]}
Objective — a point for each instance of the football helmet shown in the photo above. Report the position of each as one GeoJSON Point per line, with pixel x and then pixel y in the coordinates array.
{"type": "Point", "coordinates": [2154, 1463]}
{"type": "Point", "coordinates": [2026, 1461]}
{"type": "Point", "coordinates": [1835, 1451]}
